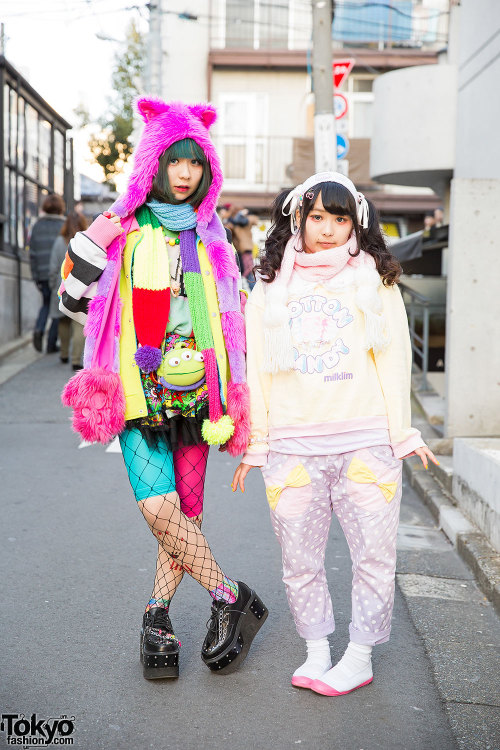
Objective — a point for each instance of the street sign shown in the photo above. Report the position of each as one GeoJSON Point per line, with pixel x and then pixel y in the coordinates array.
{"type": "Point", "coordinates": [339, 106]}
{"type": "Point", "coordinates": [341, 69]}
{"type": "Point", "coordinates": [342, 146]}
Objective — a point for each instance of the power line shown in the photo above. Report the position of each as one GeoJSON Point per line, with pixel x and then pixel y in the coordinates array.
{"type": "Point", "coordinates": [380, 25]}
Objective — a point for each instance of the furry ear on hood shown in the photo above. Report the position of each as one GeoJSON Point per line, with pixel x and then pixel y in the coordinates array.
{"type": "Point", "coordinates": [205, 112]}
{"type": "Point", "coordinates": [150, 107]}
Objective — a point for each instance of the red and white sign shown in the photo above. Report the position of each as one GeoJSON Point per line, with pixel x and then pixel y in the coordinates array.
{"type": "Point", "coordinates": [339, 106]}
{"type": "Point", "coordinates": [341, 69]}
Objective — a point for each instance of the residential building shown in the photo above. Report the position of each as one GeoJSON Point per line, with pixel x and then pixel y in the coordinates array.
{"type": "Point", "coordinates": [252, 59]}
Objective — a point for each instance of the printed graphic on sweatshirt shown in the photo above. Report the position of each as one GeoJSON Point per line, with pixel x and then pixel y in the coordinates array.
{"type": "Point", "coordinates": [315, 323]}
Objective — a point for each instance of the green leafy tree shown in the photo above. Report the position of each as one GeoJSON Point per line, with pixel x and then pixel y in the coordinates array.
{"type": "Point", "coordinates": [112, 147]}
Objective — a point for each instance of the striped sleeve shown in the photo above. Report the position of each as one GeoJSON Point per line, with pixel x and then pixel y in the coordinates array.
{"type": "Point", "coordinates": [84, 263]}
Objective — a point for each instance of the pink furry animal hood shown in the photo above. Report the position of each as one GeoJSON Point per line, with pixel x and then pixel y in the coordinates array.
{"type": "Point", "coordinates": [166, 123]}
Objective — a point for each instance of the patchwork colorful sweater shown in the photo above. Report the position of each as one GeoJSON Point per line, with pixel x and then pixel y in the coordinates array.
{"type": "Point", "coordinates": [338, 392]}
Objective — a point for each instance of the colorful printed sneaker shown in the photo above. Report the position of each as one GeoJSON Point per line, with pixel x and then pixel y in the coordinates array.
{"type": "Point", "coordinates": [231, 630]}
{"type": "Point", "coordinates": [159, 646]}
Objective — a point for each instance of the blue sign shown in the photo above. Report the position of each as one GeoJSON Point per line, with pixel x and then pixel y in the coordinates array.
{"type": "Point", "coordinates": [342, 146]}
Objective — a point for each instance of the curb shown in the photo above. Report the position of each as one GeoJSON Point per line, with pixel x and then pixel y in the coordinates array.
{"type": "Point", "coordinates": [470, 543]}
{"type": "Point", "coordinates": [11, 347]}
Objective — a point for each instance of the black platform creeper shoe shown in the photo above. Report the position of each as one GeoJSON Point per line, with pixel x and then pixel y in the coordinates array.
{"type": "Point", "coordinates": [231, 630]}
{"type": "Point", "coordinates": [159, 646]}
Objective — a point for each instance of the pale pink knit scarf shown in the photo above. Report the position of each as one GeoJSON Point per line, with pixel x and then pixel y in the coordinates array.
{"type": "Point", "coordinates": [325, 264]}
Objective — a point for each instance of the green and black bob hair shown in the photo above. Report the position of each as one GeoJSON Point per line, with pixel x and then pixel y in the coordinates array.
{"type": "Point", "coordinates": [184, 149]}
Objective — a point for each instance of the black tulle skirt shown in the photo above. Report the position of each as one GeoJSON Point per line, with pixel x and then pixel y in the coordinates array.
{"type": "Point", "coordinates": [176, 430]}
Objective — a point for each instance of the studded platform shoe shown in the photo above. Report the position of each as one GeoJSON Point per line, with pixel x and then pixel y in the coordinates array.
{"type": "Point", "coordinates": [231, 630]}
{"type": "Point", "coordinates": [159, 646]}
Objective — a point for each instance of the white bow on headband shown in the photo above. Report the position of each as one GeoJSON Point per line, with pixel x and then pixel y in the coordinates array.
{"type": "Point", "coordinates": [295, 196]}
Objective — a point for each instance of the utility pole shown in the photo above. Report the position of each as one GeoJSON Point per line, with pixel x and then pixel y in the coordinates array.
{"type": "Point", "coordinates": [155, 50]}
{"type": "Point", "coordinates": [325, 135]}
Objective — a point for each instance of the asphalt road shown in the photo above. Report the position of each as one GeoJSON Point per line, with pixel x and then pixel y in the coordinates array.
{"type": "Point", "coordinates": [77, 566]}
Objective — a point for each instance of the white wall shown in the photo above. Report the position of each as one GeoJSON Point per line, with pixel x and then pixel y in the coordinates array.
{"type": "Point", "coordinates": [472, 335]}
{"type": "Point", "coordinates": [286, 92]}
{"type": "Point", "coordinates": [478, 145]}
{"type": "Point", "coordinates": [473, 310]}
{"type": "Point", "coordinates": [413, 140]}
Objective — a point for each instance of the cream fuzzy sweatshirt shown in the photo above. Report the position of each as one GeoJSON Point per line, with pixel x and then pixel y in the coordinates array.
{"type": "Point", "coordinates": [337, 388]}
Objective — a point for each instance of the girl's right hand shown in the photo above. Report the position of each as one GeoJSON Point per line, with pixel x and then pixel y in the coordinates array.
{"type": "Point", "coordinates": [114, 218]}
{"type": "Point", "coordinates": [239, 477]}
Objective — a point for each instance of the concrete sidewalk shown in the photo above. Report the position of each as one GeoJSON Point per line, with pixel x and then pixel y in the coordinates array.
{"type": "Point", "coordinates": [77, 568]}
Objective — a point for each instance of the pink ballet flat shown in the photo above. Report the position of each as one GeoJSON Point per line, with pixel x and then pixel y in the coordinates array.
{"type": "Point", "coordinates": [323, 689]}
{"type": "Point", "coordinates": [302, 682]}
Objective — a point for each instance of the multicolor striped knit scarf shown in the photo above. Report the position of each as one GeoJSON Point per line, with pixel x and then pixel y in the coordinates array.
{"type": "Point", "coordinates": [151, 306]}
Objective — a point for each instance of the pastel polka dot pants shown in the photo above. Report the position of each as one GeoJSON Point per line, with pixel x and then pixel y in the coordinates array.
{"type": "Point", "coordinates": [363, 489]}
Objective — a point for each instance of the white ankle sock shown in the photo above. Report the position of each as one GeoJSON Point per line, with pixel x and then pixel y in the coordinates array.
{"type": "Point", "coordinates": [318, 660]}
{"type": "Point", "coordinates": [353, 670]}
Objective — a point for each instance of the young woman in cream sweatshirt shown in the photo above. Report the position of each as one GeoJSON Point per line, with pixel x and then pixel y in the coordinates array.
{"type": "Point", "coordinates": [328, 365]}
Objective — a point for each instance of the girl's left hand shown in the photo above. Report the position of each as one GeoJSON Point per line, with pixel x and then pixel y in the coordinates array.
{"type": "Point", "coordinates": [114, 218]}
{"type": "Point", "coordinates": [424, 454]}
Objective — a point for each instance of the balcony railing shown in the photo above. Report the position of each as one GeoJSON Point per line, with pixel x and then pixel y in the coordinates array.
{"type": "Point", "coordinates": [262, 25]}
{"type": "Point", "coordinates": [264, 163]}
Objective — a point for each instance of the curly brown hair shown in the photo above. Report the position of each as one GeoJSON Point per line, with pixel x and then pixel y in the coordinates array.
{"type": "Point", "coordinates": [337, 200]}
{"type": "Point", "coordinates": [75, 222]}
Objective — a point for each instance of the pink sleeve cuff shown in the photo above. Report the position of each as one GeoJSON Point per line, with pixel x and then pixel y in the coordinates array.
{"type": "Point", "coordinates": [408, 446]}
{"type": "Point", "coordinates": [102, 231]}
{"type": "Point", "coordinates": [254, 459]}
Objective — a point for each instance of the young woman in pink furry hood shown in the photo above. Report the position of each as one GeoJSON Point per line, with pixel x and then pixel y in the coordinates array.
{"type": "Point", "coordinates": [157, 286]}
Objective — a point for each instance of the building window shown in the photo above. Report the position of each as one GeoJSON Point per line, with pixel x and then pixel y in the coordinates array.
{"type": "Point", "coordinates": [6, 122]}
{"type": "Point", "coordinates": [21, 133]}
{"type": "Point", "coordinates": [33, 198]}
{"type": "Point", "coordinates": [360, 97]}
{"type": "Point", "coordinates": [6, 206]}
{"type": "Point", "coordinates": [239, 23]}
{"type": "Point", "coordinates": [241, 137]}
{"type": "Point", "coordinates": [58, 162]}
{"type": "Point", "coordinates": [31, 142]}
{"type": "Point", "coordinates": [396, 23]}
{"type": "Point", "coordinates": [45, 147]}
{"type": "Point", "coordinates": [21, 239]}
{"type": "Point", "coordinates": [256, 24]}
{"type": "Point", "coordinates": [377, 21]}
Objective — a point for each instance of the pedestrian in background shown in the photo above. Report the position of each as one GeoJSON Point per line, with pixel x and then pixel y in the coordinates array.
{"type": "Point", "coordinates": [328, 366]}
{"type": "Point", "coordinates": [240, 221]}
{"type": "Point", "coordinates": [69, 330]}
{"type": "Point", "coordinates": [43, 235]}
{"type": "Point", "coordinates": [164, 365]}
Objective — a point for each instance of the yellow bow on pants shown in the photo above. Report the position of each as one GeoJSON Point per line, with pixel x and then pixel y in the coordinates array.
{"type": "Point", "coordinates": [360, 472]}
{"type": "Point", "coordinates": [298, 477]}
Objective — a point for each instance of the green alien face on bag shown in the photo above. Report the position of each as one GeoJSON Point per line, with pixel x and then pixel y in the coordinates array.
{"type": "Point", "coordinates": [182, 367]}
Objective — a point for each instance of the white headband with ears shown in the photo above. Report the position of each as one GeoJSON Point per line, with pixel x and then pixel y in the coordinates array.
{"type": "Point", "coordinates": [295, 197]}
